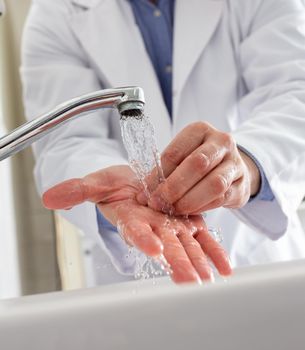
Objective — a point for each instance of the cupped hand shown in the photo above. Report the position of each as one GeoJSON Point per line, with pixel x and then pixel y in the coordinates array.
{"type": "Point", "coordinates": [185, 243]}
{"type": "Point", "coordinates": [204, 170]}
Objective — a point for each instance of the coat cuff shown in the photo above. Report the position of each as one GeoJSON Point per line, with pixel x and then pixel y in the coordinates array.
{"type": "Point", "coordinates": [265, 192]}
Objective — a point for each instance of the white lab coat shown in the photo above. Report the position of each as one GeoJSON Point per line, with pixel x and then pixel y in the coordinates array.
{"type": "Point", "coordinates": [238, 64]}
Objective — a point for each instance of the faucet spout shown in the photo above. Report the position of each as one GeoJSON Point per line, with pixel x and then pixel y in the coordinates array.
{"type": "Point", "coordinates": [128, 100]}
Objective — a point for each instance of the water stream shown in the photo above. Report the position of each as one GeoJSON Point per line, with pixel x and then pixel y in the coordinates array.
{"type": "Point", "coordinates": [143, 155]}
{"type": "Point", "coordinates": [144, 159]}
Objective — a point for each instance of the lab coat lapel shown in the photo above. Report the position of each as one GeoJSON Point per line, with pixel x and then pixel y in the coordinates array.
{"type": "Point", "coordinates": [195, 22]}
{"type": "Point", "coordinates": [85, 3]}
{"type": "Point", "coordinates": [112, 39]}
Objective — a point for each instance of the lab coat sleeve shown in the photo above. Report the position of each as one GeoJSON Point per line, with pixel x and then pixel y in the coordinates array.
{"type": "Point", "coordinates": [54, 69]}
{"type": "Point", "coordinates": [272, 61]}
{"type": "Point", "coordinates": [265, 192]}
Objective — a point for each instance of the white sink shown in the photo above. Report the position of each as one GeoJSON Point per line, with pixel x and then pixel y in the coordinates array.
{"type": "Point", "coordinates": [259, 308]}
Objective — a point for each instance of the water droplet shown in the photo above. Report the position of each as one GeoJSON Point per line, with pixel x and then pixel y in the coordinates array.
{"type": "Point", "coordinates": [216, 234]}
{"type": "Point", "coordinates": [144, 158]}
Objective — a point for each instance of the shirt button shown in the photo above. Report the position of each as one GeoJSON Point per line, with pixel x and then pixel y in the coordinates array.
{"type": "Point", "coordinates": [168, 69]}
{"type": "Point", "coordinates": [157, 13]}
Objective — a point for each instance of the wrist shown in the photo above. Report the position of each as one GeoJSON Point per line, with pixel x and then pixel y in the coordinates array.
{"type": "Point", "coordinates": [254, 174]}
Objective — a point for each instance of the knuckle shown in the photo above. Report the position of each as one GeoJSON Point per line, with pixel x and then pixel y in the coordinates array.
{"type": "Point", "coordinates": [215, 151]}
{"type": "Point", "coordinates": [241, 199]}
{"type": "Point", "coordinates": [228, 140]}
{"type": "Point", "coordinates": [201, 126]}
{"type": "Point", "coordinates": [228, 194]}
{"type": "Point", "coordinates": [199, 129]}
{"type": "Point", "coordinates": [200, 161]}
{"type": "Point", "coordinates": [219, 184]}
{"type": "Point", "coordinates": [172, 155]}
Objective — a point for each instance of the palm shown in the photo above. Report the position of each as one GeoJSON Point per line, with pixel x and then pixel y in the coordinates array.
{"type": "Point", "coordinates": [185, 243]}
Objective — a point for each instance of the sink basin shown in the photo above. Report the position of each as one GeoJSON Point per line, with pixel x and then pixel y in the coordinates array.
{"type": "Point", "coordinates": [260, 307]}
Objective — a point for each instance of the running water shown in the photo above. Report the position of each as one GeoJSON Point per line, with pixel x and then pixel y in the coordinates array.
{"type": "Point", "coordinates": [144, 157]}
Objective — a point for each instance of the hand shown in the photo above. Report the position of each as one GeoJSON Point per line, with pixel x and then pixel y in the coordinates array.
{"type": "Point", "coordinates": [114, 191]}
{"type": "Point", "coordinates": [204, 170]}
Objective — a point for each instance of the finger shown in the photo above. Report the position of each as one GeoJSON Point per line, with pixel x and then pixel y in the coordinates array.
{"type": "Point", "coordinates": [140, 235]}
{"type": "Point", "coordinates": [189, 139]}
{"type": "Point", "coordinates": [217, 203]}
{"type": "Point", "coordinates": [95, 187]}
{"type": "Point", "coordinates": [238, 195]}
{"type": "Point", "coordinates": [174, 253]}
{"type": "Point", "coordinates": [215, 252]}
{"type": "Point", "coordinates": [65, 195]}
{"type": "Point", "coordinates": [76, 191]}
{"type": "Point", "coordinates": [235, 197]}
{"type": "Point", "coordinates": [193, 168]}
{"type": "Point", "coordinates": [186, 142]}
{"type": "Point", "coordinates": [196, 256]}
{"type": "Point", "coordinates": [213, 186]}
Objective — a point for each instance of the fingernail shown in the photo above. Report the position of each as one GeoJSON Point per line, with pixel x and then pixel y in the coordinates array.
{"type": "Point", "coordinates": [165, 266]}
{"type": "Point", "coordinates": [142, 198]}
{"type": "Point", "coordinates": [231, 265]}
{"type": "Point", "coordinates": [229, 269]}
{"type": "Point", "coordinates": [212, 278]}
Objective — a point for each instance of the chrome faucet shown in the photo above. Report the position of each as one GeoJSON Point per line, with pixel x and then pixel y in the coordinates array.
{"type": "Point", "coordinates": [128, 100]}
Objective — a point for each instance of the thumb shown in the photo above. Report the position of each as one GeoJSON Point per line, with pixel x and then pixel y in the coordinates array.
{"type": "Point", "coordinates": [66, 194]}
{"type": "Point", "coordinates": [95, 187]}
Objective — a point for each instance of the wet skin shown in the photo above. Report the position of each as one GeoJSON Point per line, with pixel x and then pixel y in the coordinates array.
{"type": "Point", "coordinates": [210, 169]}
{"type": "Point", "coordinates": [185, 243]}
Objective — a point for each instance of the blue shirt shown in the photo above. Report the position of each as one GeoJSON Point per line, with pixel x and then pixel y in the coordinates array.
{"type": "Point", "coordinates": [156, 25]}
